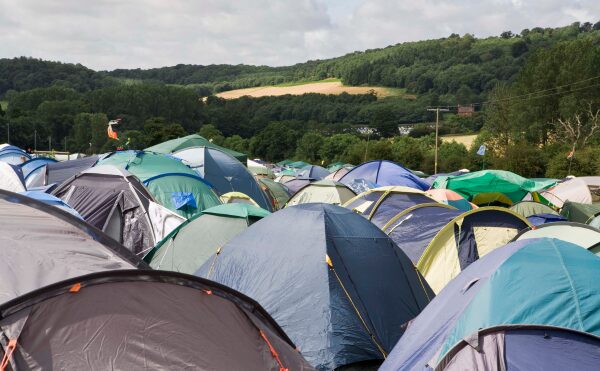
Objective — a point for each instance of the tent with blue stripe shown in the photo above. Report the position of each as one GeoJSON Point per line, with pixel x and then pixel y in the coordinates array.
{"type": "Point", "coordinates": [34, 166]}
{"type": "Point", "coordinates": [383, 173]}
{"type": "Point", "coordinates": [531, 305]}
{"type": "Point", "coordinates": [337, 285]}
{"type": "Point", "coordinates": [13, 155]}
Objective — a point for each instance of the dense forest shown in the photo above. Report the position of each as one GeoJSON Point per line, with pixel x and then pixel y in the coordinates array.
{"type": "Point", "coordinates": [537, 96]}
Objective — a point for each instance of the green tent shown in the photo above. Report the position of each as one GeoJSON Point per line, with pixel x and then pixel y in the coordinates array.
{"type": "Point", "coordinates": [194, 140]}
{"type": "Point", "coordinates": [278, 193]}
{"type": "Point", "coordinates": [580, 213]}
{"type": "Point", "coordinates": [285, 163]}
{"type": "Point", "coordinates": [195, 241]}
{"type": "Point", "coordinates": [529, 208]}
{"type": "Point", "coordinates": [172, 183]}
{"type": "Point", "coordinates": [298, 164]}
{"type": "Point", "coordinates": [512, 185]}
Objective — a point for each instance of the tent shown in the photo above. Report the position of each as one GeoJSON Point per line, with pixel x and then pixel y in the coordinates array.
{"type": "Point", "coordinates": [529, 208]}
{"type": "Point", "coordinates": [465, 239]}
{"type": "Point", "coordinates": [492, 199]}
{"type": "Point", "coordinates": [580, 213]}
{"type": "Point", "coordinates": [297, 165]}
{"type": "Point", "coordinates": [338, 174]}
{"type": "Point", "coordinates": [284, 163]}
{"type": "Point", "coordinates": [326, 191]}
{"type": "Point", "coordinates": [296, 184]}
{"type": "Point", "coordinates": [313, 172]}
{"type": "Point", "coordinates": [531, 305]}
{"type": "Point", "coordinates": [430, 179]}
{"type": "Point", "coordinates": [194, 140]}
{"type": "Point", "coordinates": [56, 173]}
{"type": "Point", "coordinates": [150, 320]}
{"type": "Point", "coordinates": [278, 192]}
{"type": "Point", "coordinates": [337, 285]}
{"type": "Point", "coordinates": [283, 178]}
{"type": "Point", "coordinates": [11, 178]}
{"type": "Point", "coordinates": [34, 166]}
{"type": "Point", "coordinates": [512, 185]}
{"type": "Point", "coordinates": [238, 198]}
{"type": "Point", "coordinates": [384, 173]}
{"type": "Point", "coordinates": [413, 229]}
{"type": "Point", "coordinates": [451, 198]}
{"type": "Point", "coordinates": [42, 245]}
{"type": "Point", "coordinates": [572, 189]}
{"type": "Point", "coordinates": [191, 244]}
{"type": "Point", "coordinates": [52, 201]}
{"type": "Point", "coordinates": [225, 173]}
{"type": "Point", "coordinates": [576, 233]}
{"type": "Point", "coordinates": [539, 219]}
{"type": "Point", "coordinates": [379, 205]}
{"type": "Point", "coordinates": [259, 169]}
{"type": "Point", "coordinates": [172, 183]}
{"type": "Point", "coordinates": [113, 200]}
{"type": "Point", "coordinates": [13, 155]}
{"type": "Point", "coordinates": [593, 183]}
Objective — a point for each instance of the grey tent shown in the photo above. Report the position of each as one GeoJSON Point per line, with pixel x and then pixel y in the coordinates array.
{"type": "Point", "coordinates": [58, 172]}
{"type": "Point", "coordinates": [41, 245]}
{"type": "Point", "coordinates": [142, 320]}
{"type": "Point", "coordinates": [336, 284]}
{"type": "Point", "coordinates": [113, 200]}
{"type": "Point", "coordinates": [529, 208]}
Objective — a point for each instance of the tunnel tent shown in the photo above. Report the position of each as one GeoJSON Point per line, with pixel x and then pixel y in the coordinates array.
{"type": "Point", "coordinates": [540, 297]}
{"type": "Point", "coordinates": [116, 202]}
{"type": "Point", "coordinates": [58, 172]}
{"type": "Point", "coordinates": [576, 233]}
{"type": "Point", "coordinates": [529, 208]}
{"type": "Point", "coordinates": [42, 245]}
{"type": "Point", "coordinates": [11, 178]}
{"type": "Point", "coordinates": [465, 239]}
{"type": "Point", "coordinates": [580, 213]}
{"type": "Point", "coordinates": [381, 204]}
{"type": "Point", "coordinates": [353, 290]}
{"type": "Point", "coordinates": [326, 191]}
{"type": "Point", "coordinates": [168, 320]}
{"type": "Point", "coordinates": [194, 140]}
{"type": "Point", "coordinates": [223, 172]}
{"type": "Point", "coordinates": [278, 192]}
{"type": "Point", "coordinates": [384, 173]}
{"type": "Point", "coordinates": [191, 244]}
{"type": "Point", "coordinates": [414, 228]}
{"type": "Point", "coordinates": [513, 186]}
{"type": "Point", "coordinates": [172, 183]}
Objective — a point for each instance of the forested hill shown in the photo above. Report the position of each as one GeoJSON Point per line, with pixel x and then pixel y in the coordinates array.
{"type": "Point", "coordinates": [458, 69]}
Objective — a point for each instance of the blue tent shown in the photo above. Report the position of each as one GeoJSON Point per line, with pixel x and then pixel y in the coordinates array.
{"type": "Point", "coordinates": [13, 155]}
{"type": "Point", "coordinates": [384, 173]}
{"type": "Point", "coordinates": [36, 165]}
{"type": "Point", "coordinates": [414, 228]}
{"type": "Point", "coordinates": [294, 185]}
{"type": "Point", "coordinates": [313, 172]}
{"type": "Point", "coordinates": [539, 219]}
{"type": "Point", "coordinates": [337, 285]}
{"type": "Point", "coordinates": [224, 172]}
{"type": "Point", "coordinates": [52, 201]}
{"type": "Point", "coordinates": [532, 304]}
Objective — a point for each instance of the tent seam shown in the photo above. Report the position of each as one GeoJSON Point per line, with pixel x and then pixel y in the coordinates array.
{"type": "Point", "coordinates": [573, 289]}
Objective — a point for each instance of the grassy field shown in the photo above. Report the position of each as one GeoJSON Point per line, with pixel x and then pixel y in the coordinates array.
{"type": "Point", "coordinates": [467, 140]}
{"type": "Point", "coordinates": [327, 86]}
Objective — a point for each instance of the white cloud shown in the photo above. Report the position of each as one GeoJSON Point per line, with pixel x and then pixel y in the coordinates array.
{"type": "Point", "coordinates": [107, 34]}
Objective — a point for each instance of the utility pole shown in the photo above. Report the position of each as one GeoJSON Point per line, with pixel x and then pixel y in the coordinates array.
{"type": "Point", "coordinates": [49, 144]}
{"type": "Point", "coordinates": [437, 111]}
{"type": "Point", "coordinates": [34, 140]}
{"type": "Point", "coordinates": [8, 133]}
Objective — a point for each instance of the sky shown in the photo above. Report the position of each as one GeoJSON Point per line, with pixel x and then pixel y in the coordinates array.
{"type": "Point", "coordinates": [110, 34]}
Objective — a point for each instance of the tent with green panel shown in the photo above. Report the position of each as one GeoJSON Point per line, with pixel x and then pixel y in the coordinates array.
{"type": "Point", "coordinates": [172, 183]}
{"type": "Point", "coordinates": [580, 213]}
{"type": "Point", "coordinates": [194, 140]}
{"type": "Point", "coordinates": [514, 186]}
{"type": "Point", "coordinates": [195, 241]}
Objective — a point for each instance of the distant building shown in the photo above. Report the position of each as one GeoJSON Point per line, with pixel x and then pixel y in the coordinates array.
{"type": "Point", "coordinates": [466, 111]}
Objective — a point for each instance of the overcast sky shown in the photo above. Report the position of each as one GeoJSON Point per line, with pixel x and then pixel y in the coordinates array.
{"type": "Point", "coordinates": [109, 34]}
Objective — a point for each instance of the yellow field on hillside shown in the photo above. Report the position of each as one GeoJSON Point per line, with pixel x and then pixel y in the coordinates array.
{"type": "Point", "coordinates": [467, 140]}
{"type": "Point", "coordinates": [326, 87]}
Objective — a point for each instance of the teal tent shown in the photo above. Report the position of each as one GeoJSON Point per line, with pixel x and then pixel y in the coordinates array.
{"type": "Point", "coordinates": [194, 140]}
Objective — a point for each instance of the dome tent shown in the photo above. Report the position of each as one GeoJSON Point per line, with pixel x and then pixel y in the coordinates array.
{"type": "Point", "coordinates": [172, 183]}
{"type": "Point", "coordinates": [34, 166]}
{"type": "Point", "coordinates": [326, 191]}
{"type": "Point", "coordinates": [338, 303]}
{"type": "Point", "coordinates": [540, 298]}
{"type": "Point", "coordinates": [384, 173]}
{"type": "Point", "coordinates": [42, 245]}
{"type": "Point", "coordinates": [113, 200]}
{"type": "Point", "coordinates": [11, 178]}
{"type": "Point", "coordinates": [223, 172]}
{"type": "Point", "coordinates": [529, 208]}
{"type": "Point", "coordinates": [278, 192]}
{"type": "Point", "coordinates": [313, 172]}
{"type": "Point", "coordinates": [191, 244]}
{"type": "Point", "coordinates": [576, 233]}
{"type": "Point", "coordinates": [56, 173]}
{"type": "Point", "coordinates": [465, 239]}
{"type": "Point", "coordinates": [379, 205]}
{"type": "Point", "coordinates": [131, 320]}
{"type": "Point", "coordinates": [194, 140]}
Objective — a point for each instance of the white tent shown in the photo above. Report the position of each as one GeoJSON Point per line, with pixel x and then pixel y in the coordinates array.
{"type": "Point", "coordinates": [9, 180]}
{"type": "Point", "coordinates": [573, 189]}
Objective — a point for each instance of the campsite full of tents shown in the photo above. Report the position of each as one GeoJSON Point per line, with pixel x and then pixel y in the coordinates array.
{"type": "Point", "coordinates": [188, 255]}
